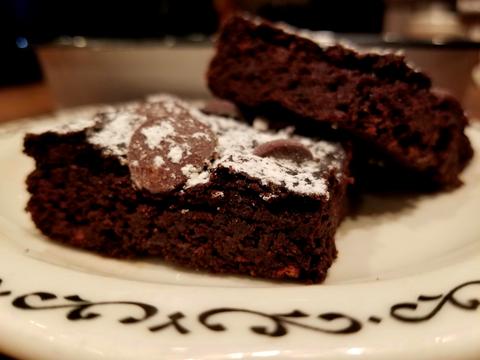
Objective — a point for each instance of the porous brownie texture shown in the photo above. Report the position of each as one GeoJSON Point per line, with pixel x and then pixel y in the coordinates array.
{"type": "Point", "coordinates": [377, 100]}
{"type": "Point", "coordinates": [84, 197]}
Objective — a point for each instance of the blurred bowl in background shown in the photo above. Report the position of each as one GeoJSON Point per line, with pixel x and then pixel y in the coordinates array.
{"type": "Point", "coordinates": [97, 71]}
{"type": "Point", "coordinates": [81, 71]}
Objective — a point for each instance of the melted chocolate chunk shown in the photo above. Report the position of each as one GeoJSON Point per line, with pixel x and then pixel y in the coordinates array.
{"type": "Point", "coordinates": [284, 149]}
{"type": "Point", "coordinates": [221, 108]}
{"type": "Point", "coordinates": [167, 146]}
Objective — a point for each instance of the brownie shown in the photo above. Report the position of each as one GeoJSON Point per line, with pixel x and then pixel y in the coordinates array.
{"type": "Point", "coordinates": [376, 99]}
{"type": "Point", "coordinates": [162, 179]}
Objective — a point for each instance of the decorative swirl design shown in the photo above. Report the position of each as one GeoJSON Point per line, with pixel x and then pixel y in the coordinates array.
{"type": "Point", "coordinates": [174, 322]}
{"type": "Point", "coordinates": [80, 307]}
{"type": "Point", "coordinates": [398, 311]}
{"type": "Point", "coordinates": [4, 292]}
{"type": "Point", "coordinates": [281, 322]}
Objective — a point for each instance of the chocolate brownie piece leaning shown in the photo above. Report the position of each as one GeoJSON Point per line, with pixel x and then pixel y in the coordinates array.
{"type": "Point", "coordinates": [376, 99]}
{"type": "Point", "coordinates": [205, 192]}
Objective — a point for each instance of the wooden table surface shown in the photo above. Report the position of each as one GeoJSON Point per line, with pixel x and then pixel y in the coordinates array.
{"type": "Point", "coordinates": [25, 100]}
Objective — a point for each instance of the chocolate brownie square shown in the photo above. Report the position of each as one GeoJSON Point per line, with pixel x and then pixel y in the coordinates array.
{"type": "Point", "coordinates": [163, 179]}
{"type": "Point", "coordinates": [377, 100]}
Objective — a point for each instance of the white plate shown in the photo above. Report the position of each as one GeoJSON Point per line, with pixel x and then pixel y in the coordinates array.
{"type": "Point", "coordinates": [406, 284]}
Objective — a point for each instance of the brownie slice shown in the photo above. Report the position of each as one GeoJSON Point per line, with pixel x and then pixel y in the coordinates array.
{"type": "Point", "coordinates": [377, 100]}
{"type": "Point", "coordinates": [205, 192]}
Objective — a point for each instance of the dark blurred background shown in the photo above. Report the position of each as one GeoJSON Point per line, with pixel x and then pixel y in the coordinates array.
{"type": "Point", "coordinates": [27, 24]}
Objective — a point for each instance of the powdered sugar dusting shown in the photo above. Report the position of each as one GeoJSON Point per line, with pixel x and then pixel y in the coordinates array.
{"type": "Point", "coordinates": [158, 161]}
{"type": "Point", "coordinates": [236, 142]}
{"type": "Point", "coordinates": [267, 197]}
{"type": "Point", "coordinates": [65, 121]}
{"type": "Point", "coordinates": [326, 39]}
{"type": "Point", "coordinates": [199, 135]}
{"type": "Point", "coordinates": [234, 150]}
{"type": "Point", "coordinates": [118, 126]}
{"type": "Point", "coordinates": [218, 194]}
{"type": "Point", "coordinates": [195, 176]}
{"type": "Point", "coordinates": [321, 38]}
{"type": "Point", "coordinates": [175, 154]}
{"type": "Point", "coordinates": [260, 123]}
{"type": "Point", "coordinates": [155, 134]}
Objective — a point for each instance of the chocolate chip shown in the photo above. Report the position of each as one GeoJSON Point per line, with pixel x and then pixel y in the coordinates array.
{"type": "Point", "coordinates": [170, 139]}
{"type": "Point", "coordinates": [284, 149]}
{"type": "Point", "coordinates": [221, 108]}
